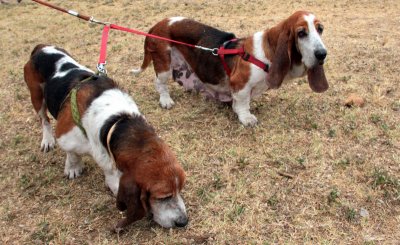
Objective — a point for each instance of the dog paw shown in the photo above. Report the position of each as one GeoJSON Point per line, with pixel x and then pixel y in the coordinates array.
{"type": "Point", "coordinates": [73, 172]}
{"type": "Point", "coordinates": [166, 102]}
{"type": "Point", "coordinates": [249, 120]}
{"type": "Point", "coordinates": [48, 144]}
{"type": "Point", "coordinates": [136, 72]}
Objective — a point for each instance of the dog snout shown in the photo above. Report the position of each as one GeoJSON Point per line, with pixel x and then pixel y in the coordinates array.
{"type": "Point", "coordinates": [182, 222]}
{"type": "Point", "coordinates": [320, 54]}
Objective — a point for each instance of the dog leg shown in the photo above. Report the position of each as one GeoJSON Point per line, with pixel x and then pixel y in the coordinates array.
{"type": "Point", "coordinates": [73, 165]}
{"type": "Point", "coordinates": [241, 106]}
{"type": "Point", "coordinates": [48, 141]}
{"type": "Point", "coordinates": [161, 86]}
{"type": "Point", "coordinates": [35, 84]}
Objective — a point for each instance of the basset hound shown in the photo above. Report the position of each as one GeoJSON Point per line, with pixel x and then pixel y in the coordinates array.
{"type": "Point", "coordinates": [289, 50]}
{"type": "Point", "coordinates": [139, 168]}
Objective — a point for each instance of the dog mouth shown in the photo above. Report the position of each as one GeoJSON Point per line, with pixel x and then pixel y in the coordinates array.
{"type": "Point", "coordinates": [321, 62]}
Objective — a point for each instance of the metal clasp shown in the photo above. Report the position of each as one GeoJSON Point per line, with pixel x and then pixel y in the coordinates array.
{"type": "Point", "coordinates": [101, 67]}
{"type": "Point", "coordinates": [215, 51]}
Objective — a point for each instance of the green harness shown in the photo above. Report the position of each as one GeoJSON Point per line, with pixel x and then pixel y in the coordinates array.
{"type": "Point", "coordinates": [76, 116]}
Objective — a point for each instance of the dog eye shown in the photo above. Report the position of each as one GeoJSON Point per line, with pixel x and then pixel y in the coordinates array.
{"type": "Point", "coordinates": [163, 199]}
{"type": "Point", "coordinates": [320, 29]}
{"type": "Point", "coordinates": [302, 33]}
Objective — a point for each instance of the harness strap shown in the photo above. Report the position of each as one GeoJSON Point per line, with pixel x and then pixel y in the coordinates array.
{"type": "Point", "coordinates": [75, 111]}
{"type": "Point", "coordinates": [226, 67]}
{"type": "Point", "coordinates": [222, 51]}
{"type": "Point", "coordinates": [247, 57]}
{"type": "Point", "coordinates": [76, 116]}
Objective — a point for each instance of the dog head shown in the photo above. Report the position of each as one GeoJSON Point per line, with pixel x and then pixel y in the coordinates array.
{"type": "Point", "coordinates": [297, 41]}
{"type": "Point", "coordinates": [152, 180]}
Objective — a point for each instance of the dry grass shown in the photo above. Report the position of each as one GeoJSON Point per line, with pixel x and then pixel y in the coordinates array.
{"type": "Point", "coordinates": [342, 159]}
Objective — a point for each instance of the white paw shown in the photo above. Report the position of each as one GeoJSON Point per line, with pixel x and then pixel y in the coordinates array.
{"type": "Point", "coordinates": [249, 120]}
{"type": "Point", "coordinates": [166, 102]}
{"type": "Point", "coordinates": [136, 72]}
{"type": "Point", "coordinates": [47, 144]}
{"type": "Point", "coordinates": [73, 172]}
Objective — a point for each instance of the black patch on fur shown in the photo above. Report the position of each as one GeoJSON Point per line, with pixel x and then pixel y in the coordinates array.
{"type": "Point", "coordinates": [132, 132]}
{"type": "Point", "coordinates": [68, 66]}
{"type": "Point", "coordinates": [175, 74]}
{"type": "Point", "coordinates": [206, 66]}
{"type": "Point", "coordinates": [57, 89]}
{"type": "Point", "coordinates": [46, 63]}
{"type": "Point", "coordinates": [108, 124]}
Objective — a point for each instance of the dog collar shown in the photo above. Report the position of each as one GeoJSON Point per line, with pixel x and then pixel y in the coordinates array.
{"type": "Point", "coordinates": [109, 135]}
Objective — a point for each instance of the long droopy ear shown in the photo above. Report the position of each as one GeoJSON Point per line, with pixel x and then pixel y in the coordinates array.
{"type": "Point", "coordinates": [282, 59]}
{"type": "Point", "coordinates": [317, 79]}
{"type": "Point", "coordinates": [130, 198]}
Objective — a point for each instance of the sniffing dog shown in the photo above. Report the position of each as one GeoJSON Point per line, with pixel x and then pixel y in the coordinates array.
{"type": "Point", "coordinates": [139, 168]}
{"type": "Point", "coordinates": [291, 49]}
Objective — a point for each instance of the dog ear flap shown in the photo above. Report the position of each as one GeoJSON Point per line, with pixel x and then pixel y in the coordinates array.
{"type": "Point", "coordinates": [144, 199]}
{"type": "Point", "coordinates": [282, 59]}
{"type": "Point", "coordinates": [129, 199]}
{"type": "Point", "coordinates": [317, 80]}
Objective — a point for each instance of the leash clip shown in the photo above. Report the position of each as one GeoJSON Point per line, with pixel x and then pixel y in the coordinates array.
{"type": "Point", "coordinates": [101, 67]}
{"type": "Point", "coordinates": [214, 51]}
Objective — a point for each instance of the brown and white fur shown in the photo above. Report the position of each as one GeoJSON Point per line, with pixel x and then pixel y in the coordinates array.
{"type": "Point", "coordinates": [139, 168]}
{"type": "Point", "coordinates": [293, 48]}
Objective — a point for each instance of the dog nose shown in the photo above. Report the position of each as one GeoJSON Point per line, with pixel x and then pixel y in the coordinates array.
{"type": "Point", "coordinates": [182, 222]}
{"type": "Point", "coordinates": [320, 54]}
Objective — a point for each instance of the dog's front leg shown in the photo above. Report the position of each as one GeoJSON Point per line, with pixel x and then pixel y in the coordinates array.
{"type": "Point", "coordinates": [241, 106]}
{"type": "Point", "coordinates": [73, 165]}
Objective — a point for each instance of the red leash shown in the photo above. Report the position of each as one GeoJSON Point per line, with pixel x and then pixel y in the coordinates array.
{"type": "Point", "coordinates": [106, 29]}
{"type": "Point", "coordinates": [101, 65]}
{"type": "Point", "coordinates": [221, 52]}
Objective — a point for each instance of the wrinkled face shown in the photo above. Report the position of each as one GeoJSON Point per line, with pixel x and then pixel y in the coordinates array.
{"type": "Point", "coordinates": [308, 31]}
{"type": "Point", "coordinates": [167, 205]}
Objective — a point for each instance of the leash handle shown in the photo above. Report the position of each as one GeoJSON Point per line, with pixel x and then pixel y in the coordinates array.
{"type": "Point", "coordinates": [71, 12]}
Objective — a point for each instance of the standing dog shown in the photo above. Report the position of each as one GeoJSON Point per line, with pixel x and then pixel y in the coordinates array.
{"type": "Point", "coordinates": [139, 167]}
{"type": "Point", "coordinates": [289, 50]}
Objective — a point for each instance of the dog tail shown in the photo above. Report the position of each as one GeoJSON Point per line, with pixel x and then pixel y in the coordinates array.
{"type": "Point", "coordinates": [145, 64]}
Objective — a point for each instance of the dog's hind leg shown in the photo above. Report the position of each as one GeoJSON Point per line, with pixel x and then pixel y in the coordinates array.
{"type": "Point", "coordinates": [35, 85]}
{"type": "Point", "coordinates": [160, 82]}
{"type": "Point", "coordinates": [162, 67]}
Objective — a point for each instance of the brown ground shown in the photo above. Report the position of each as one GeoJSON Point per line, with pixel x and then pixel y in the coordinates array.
{"type": "Point", "coordinates": [343, 160]}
